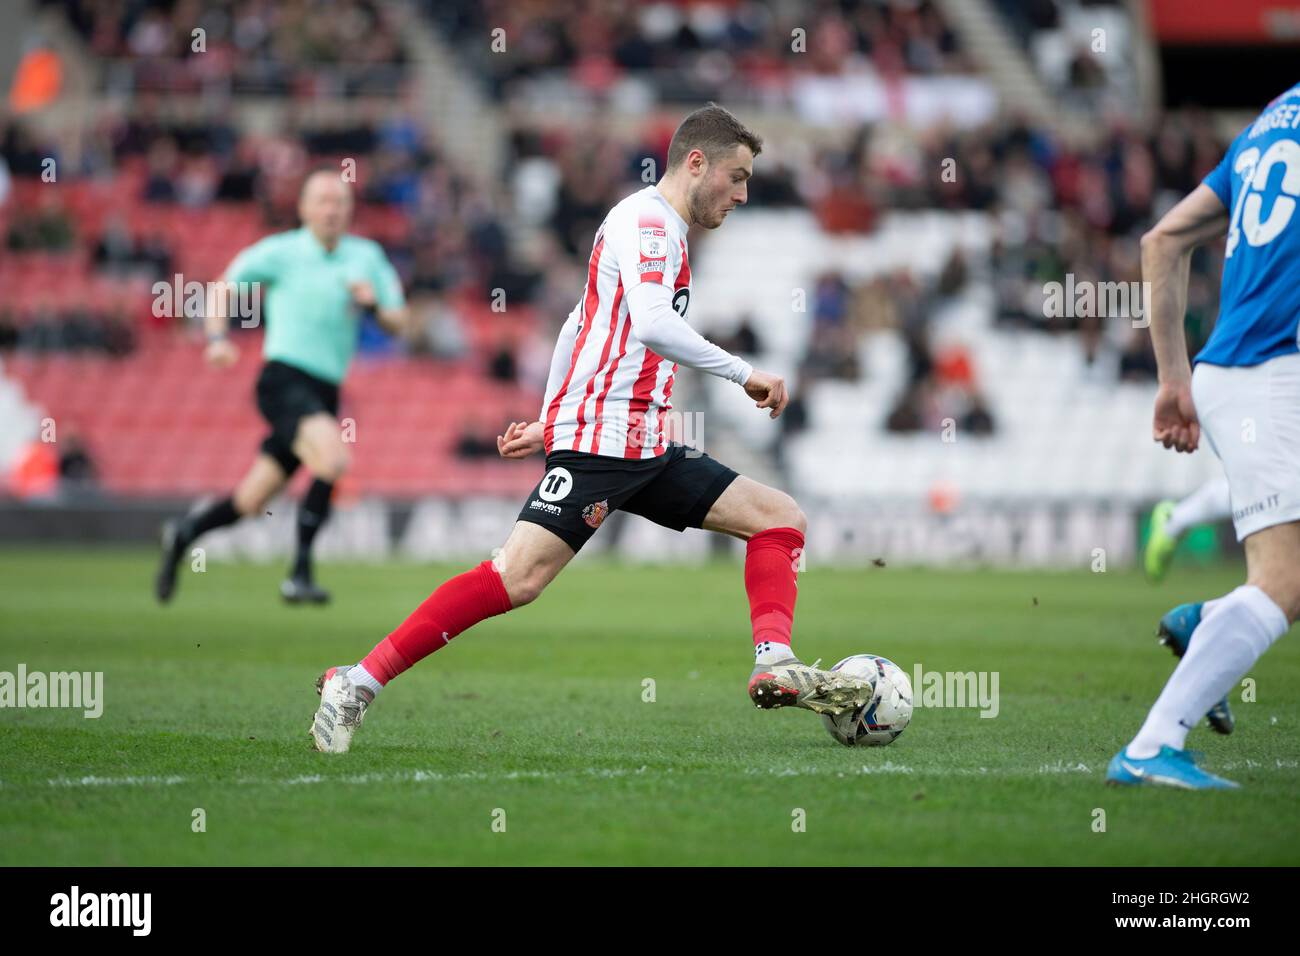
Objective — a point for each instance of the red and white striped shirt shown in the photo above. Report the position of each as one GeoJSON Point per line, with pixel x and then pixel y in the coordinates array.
{"type": "Point", "coordinates": [609, 388]}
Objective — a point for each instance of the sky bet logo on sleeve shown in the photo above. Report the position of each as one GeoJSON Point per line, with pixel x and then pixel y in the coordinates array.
{"type": "Point", "coordinates": [134, 910]}
{"type": "Point", "coordinates": [654, 242]}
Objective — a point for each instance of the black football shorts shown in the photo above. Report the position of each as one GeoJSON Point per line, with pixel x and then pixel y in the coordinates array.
{"type": "Point", "coordinates": [285, 395]}
{"type": "Point", "coordinates": [579, 490]}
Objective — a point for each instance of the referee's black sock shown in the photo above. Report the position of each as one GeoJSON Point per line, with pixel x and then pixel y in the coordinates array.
{"type": "Point", "coordinates": [216, 515]}
{"type": "Point", "coordinates": [312, 513]}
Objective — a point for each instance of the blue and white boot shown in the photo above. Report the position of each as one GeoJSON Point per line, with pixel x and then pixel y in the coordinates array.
{"type": "Point", "coordinates": [1169, 768]}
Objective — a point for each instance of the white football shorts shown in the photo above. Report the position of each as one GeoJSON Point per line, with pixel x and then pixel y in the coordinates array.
{"type": "Point", "coordinates": [1251, 416]}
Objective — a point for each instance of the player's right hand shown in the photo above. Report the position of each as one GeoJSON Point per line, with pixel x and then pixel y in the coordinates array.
{"type": "Point", "coordinates": [221, 353]}
{"type": "Point", "coordinates": [767, 390]}
{"type": "Point", "coordinates": [521, 440]}
{"type": "Point", "coordinates": [1175, 424]}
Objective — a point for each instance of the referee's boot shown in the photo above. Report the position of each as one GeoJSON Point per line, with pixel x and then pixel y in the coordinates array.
{"type": "Point", "coordinates": [301, 589]}
{"type": "Point", "coordinates": [173, 549]}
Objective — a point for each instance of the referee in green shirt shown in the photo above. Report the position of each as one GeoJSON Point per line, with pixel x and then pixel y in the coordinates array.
{"type": "Point", "coordinates": [315, 283]}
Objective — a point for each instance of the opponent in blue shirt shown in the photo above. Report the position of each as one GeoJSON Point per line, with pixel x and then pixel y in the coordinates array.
{"type": "Point", "coordinates": [1258, 183]}
{"type": "Point", "coordinates": [1245, 393]}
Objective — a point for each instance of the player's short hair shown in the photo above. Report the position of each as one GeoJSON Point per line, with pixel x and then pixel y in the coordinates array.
{"type": "Point", "coordinates": [321, 169]}
{"type": "Point", "coordinates": [714, 131]}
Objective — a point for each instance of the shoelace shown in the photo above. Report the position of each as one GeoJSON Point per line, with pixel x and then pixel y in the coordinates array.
{"type": "Point", "coordinates": [831, 677]}
{"type": "Point", "coordinates": [811, 679]}
{"type": "Point", "coordinates": [353, 709]}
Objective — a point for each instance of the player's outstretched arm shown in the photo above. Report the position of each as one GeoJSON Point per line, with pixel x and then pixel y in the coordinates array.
{"type": "Point", "coordinates": [661, 329]}
{"type": "Point", "coordinates": [253, 267]}
{"type": "Point", "coordinates": [562, 359]}
{"type": "Point", "coordinates": [1166, 258]}
{"type": "Point", "coordinates": [220, 351]}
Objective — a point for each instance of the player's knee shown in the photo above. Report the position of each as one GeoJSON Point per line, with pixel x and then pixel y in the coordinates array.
{"type": "Point", "coordinates": [798, 520]}
{"type": "Point", "coordinates": [784, 512]}
{"type": "Point", "coordinates": [251, 500]}
{"type": "Point", "coordinates": [342, 462]}
{"type": "Point", "coordinates": [1282, 585]}
{"type": "Point", "coordinates": [333, 464]}
{"type": "Point", "coordinates": [524, 588]}
{"type": "Point", "coordinates": [1291, 606]}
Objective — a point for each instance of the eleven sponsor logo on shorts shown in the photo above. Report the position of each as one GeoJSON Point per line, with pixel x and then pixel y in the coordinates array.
{"type": "Point", "coordinates": [555, 486]}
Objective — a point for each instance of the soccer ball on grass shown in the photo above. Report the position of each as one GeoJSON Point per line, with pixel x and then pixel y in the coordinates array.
{"type": "Point", "coordinates": [888, 712]}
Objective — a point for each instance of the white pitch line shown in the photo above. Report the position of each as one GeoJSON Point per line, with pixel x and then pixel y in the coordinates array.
{"type": "Point", "coordinates": [93, 781]}
{"type": "Point", "coordinates": [887, 768]}
{"type": "Point", "coordinates": [404, 776]}
{"type": "Point", "coordinates": [427, 776]}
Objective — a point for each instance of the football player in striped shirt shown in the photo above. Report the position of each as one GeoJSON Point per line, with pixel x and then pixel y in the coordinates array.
{"type": "Point", "coordinates": [602, 430]}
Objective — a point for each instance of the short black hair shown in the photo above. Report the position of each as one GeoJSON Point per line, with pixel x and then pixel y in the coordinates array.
{"type": "Point", "coordinates": [714, 131]}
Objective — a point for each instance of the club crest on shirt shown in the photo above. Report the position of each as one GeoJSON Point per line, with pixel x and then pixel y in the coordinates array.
{"type": "Point", "coordinates": [595, 513]}
{"type": "Point", "coordinates": [654, 242]}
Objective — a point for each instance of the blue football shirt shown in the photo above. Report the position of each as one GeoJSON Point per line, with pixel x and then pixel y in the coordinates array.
{"type": "Point", "coordinates": [1258, 182]}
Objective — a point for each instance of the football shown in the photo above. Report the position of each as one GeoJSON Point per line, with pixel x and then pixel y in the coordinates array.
{"type": "Point", "coordinates": [885, 716]}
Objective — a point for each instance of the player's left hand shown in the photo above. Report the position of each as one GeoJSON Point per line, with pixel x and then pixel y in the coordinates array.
{"type": "Point", "coordinates": [521, 440]}
{"type": "Point", "coordinates": [768, 391]}
{"type": "Point", "coordinates": [1175, 424]}
{"type": "Point", "coordinates": [363, 294]}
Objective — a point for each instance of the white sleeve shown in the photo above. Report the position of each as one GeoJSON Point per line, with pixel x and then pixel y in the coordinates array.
{"type": "Point", "coordinates": [658, 325]}
{"type": "Point", "coordinates": [645, 249]}
{"type": "Point", "coordinates": [561, 358]}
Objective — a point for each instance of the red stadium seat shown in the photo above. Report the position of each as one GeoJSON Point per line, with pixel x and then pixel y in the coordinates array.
{"type": "Point", "coordinates": [159, 422]}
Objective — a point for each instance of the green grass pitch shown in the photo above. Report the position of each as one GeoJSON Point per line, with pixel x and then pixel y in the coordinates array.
{"type": "Point", "coordinates": [537, 720]}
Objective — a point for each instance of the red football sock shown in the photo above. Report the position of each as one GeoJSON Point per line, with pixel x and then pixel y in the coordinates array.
{"type": "Point", "coordinates": [770, 562]}
{"type": "Point", "coordinates": [456, 606]}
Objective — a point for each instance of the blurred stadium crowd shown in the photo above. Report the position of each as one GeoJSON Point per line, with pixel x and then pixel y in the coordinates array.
{"type": "Point", "coordinates": [167, 176]}
{"type": "Point", "coordinates": [260, 47]}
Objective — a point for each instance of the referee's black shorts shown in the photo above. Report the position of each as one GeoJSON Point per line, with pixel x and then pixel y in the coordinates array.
{"type": "Point", "coordinates": [286, 395]}
{"type": "Point", "coordinates": [675, 490]}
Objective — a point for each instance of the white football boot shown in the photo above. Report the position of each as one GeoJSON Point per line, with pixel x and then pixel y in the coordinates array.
{"type": "Point", "coordinates": [342, 708]}
{"type": "Point", "coordinates": [793, 683]}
